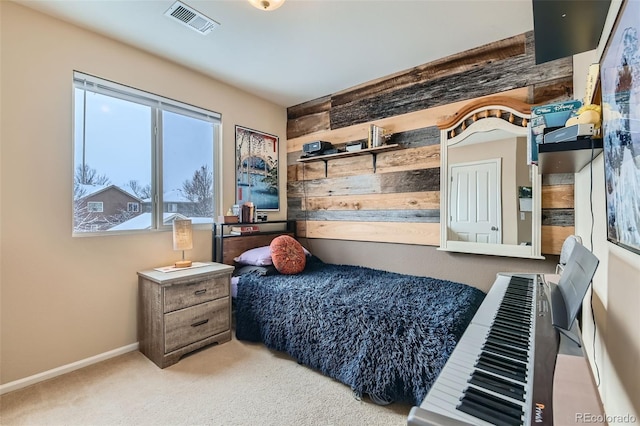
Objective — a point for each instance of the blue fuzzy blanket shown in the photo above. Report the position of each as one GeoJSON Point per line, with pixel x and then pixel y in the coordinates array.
{"type": "Point", "coordinates": [384, 334]}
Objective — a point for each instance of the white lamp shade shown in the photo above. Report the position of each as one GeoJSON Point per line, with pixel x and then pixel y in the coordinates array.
{"type": "Point", "coordinates": [182, 234]}
{"type": "Point", "coordinates": [266, 4]}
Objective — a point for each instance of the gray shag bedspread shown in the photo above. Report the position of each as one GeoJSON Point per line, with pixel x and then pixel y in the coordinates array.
{"type": "Point", "coordinates": [384, 334]}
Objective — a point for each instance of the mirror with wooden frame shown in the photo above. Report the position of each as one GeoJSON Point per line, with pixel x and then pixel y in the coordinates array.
{"type": "Point", "coordinates": [489, 194]}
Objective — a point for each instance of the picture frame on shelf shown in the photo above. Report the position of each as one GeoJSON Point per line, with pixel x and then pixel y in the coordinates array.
{"type": "Point", "coordinates": [620, 86]}
{"type": "Point", "coordinates": [256, 166]}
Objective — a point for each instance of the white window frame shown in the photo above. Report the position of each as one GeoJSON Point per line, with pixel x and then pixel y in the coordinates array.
{"type": "Point", "coordinates": [158, 104]}
{"type": "Point", "coordinates": [98, 206]}
{"type": "Point", "coordinates": [133, 207]}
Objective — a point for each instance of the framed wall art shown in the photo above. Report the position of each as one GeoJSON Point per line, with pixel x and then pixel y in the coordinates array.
{"type": "Point", "coordinates": [620, 85]}
{"type": "Point", "coordinates": [257, 169]}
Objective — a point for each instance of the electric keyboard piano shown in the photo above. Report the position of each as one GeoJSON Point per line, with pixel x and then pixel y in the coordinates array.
{"type": "Point", "coordinates": [501, 371]}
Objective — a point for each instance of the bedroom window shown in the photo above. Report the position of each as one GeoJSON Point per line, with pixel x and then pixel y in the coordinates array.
{"type": "Point", "coordinates": [150, 158]}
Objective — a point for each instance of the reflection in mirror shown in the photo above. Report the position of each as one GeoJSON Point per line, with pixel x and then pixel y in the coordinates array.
{"type": "Point", "coordinates": [490, 201]}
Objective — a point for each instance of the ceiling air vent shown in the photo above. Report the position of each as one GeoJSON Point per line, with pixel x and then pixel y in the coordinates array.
{"type": "Point", "coordinates": [191, 18]}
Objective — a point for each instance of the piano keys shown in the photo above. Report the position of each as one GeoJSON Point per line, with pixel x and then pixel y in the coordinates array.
{"type": "Point", "coordinates": [501, 371]}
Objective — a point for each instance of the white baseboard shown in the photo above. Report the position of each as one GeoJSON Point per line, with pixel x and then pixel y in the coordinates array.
{"type": "Point", "coordinates": [50, 374]}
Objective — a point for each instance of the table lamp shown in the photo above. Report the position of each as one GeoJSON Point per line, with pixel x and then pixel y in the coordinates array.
{"type": "Point", "coordinates": [182, 240]}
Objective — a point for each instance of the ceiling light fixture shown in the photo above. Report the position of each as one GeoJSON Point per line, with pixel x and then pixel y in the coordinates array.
{"type": "Point", "coordinates": [266, 4]}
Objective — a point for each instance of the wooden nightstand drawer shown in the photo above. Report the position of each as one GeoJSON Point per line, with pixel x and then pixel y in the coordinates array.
{"type": "Point", "coordinates": [182, 311]}
{"type": "Point", "coordinates": [184, 295]}
{"type": "Point", "coordinates": [189, 325]}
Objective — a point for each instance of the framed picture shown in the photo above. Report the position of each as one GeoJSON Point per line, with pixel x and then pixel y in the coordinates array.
{"type": "Point", "coordinates": [620, 84]}
{"type": "Point", "coordinates": [257, 169]}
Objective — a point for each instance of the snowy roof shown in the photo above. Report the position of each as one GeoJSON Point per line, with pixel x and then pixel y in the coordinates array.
{"type": "Point", "coordinates": [92, 189]}
{"type": "Point", "coordinates": [201, 220]}
{"type": "Point", "coordinates": [143, 221]}
{"type": "Point", "coordinates": [95, 189]}
{"type": "Point", "coordinates": [174, 196]}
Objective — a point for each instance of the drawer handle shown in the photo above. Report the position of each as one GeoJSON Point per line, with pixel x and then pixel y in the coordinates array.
{"type": "Point", "coordinates": [199, 323]}
{"type": "Point", "coordinates": [199, 292]}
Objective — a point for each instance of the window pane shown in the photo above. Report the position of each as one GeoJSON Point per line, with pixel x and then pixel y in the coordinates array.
{"type": "Point", "coordinates": [187, 155]}
{"type": "Point", "coordinates": [95, 206]}
{"type": "Point", "coordinates": [112, 163]}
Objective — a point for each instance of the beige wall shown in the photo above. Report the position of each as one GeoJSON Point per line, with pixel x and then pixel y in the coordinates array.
{"type": "Point", "coordinates": [505, 149]}
{"type": "Point", "coordinates": [615, 305]}
{"type": "Point", "coordinates": [523, 178]}
{"type": "Point", "coordinates": [472, 269]}
{"type": "Point", "coordinates": [65, 299]}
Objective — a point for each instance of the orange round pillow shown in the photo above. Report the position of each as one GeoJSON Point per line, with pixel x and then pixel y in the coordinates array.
{"type": "Point", "coordinates": [288, 255]}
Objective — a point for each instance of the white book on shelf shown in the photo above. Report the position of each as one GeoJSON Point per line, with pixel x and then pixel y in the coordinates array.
{"type": "Point", "coordinates": [378, 136]}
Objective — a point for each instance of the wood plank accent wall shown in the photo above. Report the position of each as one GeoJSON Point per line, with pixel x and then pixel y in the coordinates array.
{"type": "Point", "coordinates": [558, 221]}
{"type": "Point", "coordinates": [394, 196]}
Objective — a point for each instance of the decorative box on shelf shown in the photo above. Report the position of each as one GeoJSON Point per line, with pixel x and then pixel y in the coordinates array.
{"type": "Point", "coordinates": [353, 146]}
{"type": "Point", "coordinates": [227, 219]}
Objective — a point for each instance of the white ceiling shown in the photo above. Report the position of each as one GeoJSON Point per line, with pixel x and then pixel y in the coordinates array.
{"type": "Point", "coordinates": [306, 49]}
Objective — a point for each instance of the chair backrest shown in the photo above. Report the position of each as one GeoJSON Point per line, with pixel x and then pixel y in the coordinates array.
{"type": "Point", "coordinates": [565, 252]}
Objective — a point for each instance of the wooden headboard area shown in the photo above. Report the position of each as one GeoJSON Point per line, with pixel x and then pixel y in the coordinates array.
{"type": "Point", "coordinates": [231, 247]}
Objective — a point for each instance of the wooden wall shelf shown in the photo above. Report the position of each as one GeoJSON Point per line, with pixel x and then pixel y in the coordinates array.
{"type": "Point", "coordinates": [375, 150]}
{"type": "Point", "coordinates": [372, 151]}
{"type": "Point", "coordinates": [567, 157]}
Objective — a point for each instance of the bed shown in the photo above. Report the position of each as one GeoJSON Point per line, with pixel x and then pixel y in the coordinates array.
{"type": "Point", "coordinates": [384, 334]}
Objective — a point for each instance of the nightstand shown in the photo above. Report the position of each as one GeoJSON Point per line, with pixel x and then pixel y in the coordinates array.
{"type": "Point", "coordinates": [184, 310]}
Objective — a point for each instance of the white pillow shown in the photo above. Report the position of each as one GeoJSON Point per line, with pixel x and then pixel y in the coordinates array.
{"type": "Point", "coordinates": [260, 256]}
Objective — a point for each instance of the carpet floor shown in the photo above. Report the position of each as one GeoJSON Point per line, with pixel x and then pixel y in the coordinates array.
{"type": "Point", "coordinates": [236, 383]}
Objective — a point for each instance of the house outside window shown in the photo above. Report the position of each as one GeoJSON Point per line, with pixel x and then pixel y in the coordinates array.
{"type": "Point", "coordinates": [113, 208]}
{"type": "Point", "coordinates": [95, 206]}
{"type": "Point", "coordinates": [140, 148]}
